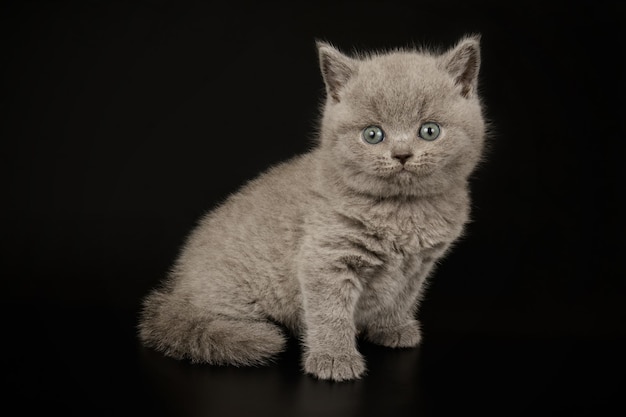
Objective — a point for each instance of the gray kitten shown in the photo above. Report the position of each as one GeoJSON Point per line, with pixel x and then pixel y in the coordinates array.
{"type": "Point", "coordinates": [337, 242]}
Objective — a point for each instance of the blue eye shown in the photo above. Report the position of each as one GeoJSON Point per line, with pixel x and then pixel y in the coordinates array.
{"type": "Point", "coordinates": [373, 135]}
{"type": "Point", "coordinates": [429, 131]}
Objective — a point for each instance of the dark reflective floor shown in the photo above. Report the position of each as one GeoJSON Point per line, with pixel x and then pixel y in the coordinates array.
{"type": "Point", "coordinates": [87, 362]}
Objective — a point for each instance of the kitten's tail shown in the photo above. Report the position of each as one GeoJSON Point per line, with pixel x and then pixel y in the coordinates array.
{"type": "Point", "coordinates": [179, 330]}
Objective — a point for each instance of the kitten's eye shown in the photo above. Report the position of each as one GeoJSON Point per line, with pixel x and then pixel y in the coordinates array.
{"type": "Point", "coordinates": [373, 135]}
{"type": "Point", "coordinates": [429, 131]}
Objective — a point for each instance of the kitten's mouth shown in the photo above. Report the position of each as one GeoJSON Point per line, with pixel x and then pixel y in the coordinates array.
{"type": "Point", "coordinates": [421, 170]}
{"type": "Point", "coordinates": [407, 172]}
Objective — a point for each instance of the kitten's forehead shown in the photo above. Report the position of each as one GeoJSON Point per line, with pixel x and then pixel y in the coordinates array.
{"type": "Point", "coordinates": [399, 85]}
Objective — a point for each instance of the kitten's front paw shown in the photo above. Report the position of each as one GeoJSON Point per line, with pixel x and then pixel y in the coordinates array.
{"type": "Point", "coordinates": [336, 367]}
{"type": "Point", "coordinates": [406, 335]}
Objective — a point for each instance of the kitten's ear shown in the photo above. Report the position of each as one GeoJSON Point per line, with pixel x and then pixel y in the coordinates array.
{"type": "Point", "coordinates": [463, 63]}
{"type": "Point", "coordinates": [336, 68]}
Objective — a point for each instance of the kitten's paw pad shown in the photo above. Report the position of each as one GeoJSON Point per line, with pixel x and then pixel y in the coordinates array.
{"type": "Point", "coordinates": [407, 335]}
{"type": "Point", "coordinates": [342, 367]}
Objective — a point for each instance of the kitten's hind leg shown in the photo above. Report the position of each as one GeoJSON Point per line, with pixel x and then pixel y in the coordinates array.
{"type": "Point", "coordinates": [396, 335]}
{"type": "Point", "coordinates": [182, 331]}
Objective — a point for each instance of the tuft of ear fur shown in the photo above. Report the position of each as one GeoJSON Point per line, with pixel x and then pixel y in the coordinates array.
{"type": "Point", "coordinates": [463, 63]}
{"type": "Point", "coordinates": [336, 68]}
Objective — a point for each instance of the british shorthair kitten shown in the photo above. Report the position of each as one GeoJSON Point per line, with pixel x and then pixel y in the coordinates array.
{"type": "Point", "coordinates": [337, 243]}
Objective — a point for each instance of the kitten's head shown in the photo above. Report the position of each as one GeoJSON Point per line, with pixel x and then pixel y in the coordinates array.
{"type": "Point", "coordinates": [405, 122]}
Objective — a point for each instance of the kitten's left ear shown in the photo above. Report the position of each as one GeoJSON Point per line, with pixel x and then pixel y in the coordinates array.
{"type": "Point", "coordinates": [336, 68]}
{"type": "Point", "coordinates": [463, 63]}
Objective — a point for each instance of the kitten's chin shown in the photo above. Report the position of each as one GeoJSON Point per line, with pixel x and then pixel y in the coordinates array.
{"type": "Point", "coordinates": [410, 181]}
{"type": "Point", "coordinates": [407, 180]}
{"type": "Point", "coordinates": [409, 174]}
{"type": "Point", "coordinates": [397, 183]}
{"type": "Point", "coordinates": [418, 170]}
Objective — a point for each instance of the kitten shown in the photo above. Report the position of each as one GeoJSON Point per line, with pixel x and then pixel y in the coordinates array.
{"type": "Point", "coordinates": [335, 243]}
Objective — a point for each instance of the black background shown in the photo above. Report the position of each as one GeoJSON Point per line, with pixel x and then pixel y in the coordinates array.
{"type": "Point", "coordinates": [123, 122]}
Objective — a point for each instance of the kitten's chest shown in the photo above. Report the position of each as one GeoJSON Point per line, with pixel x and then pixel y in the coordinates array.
{"type": "Point", "coordinates": [420, 230]}
{"type": "Point", "coordinates": [386, 239]}
{"type": "Point", "coordinates": [410, 241]}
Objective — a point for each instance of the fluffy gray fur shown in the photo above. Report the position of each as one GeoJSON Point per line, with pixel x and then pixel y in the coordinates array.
{"type": "Point", "coordinates": [338, 242]}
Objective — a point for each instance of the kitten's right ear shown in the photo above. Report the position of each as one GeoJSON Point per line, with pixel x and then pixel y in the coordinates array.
{"type": "Point", "coordinates": [336, 68]}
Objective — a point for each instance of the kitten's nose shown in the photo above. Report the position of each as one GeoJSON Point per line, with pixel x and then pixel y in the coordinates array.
{"type": "Point", "coordinates": [402, 157]}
